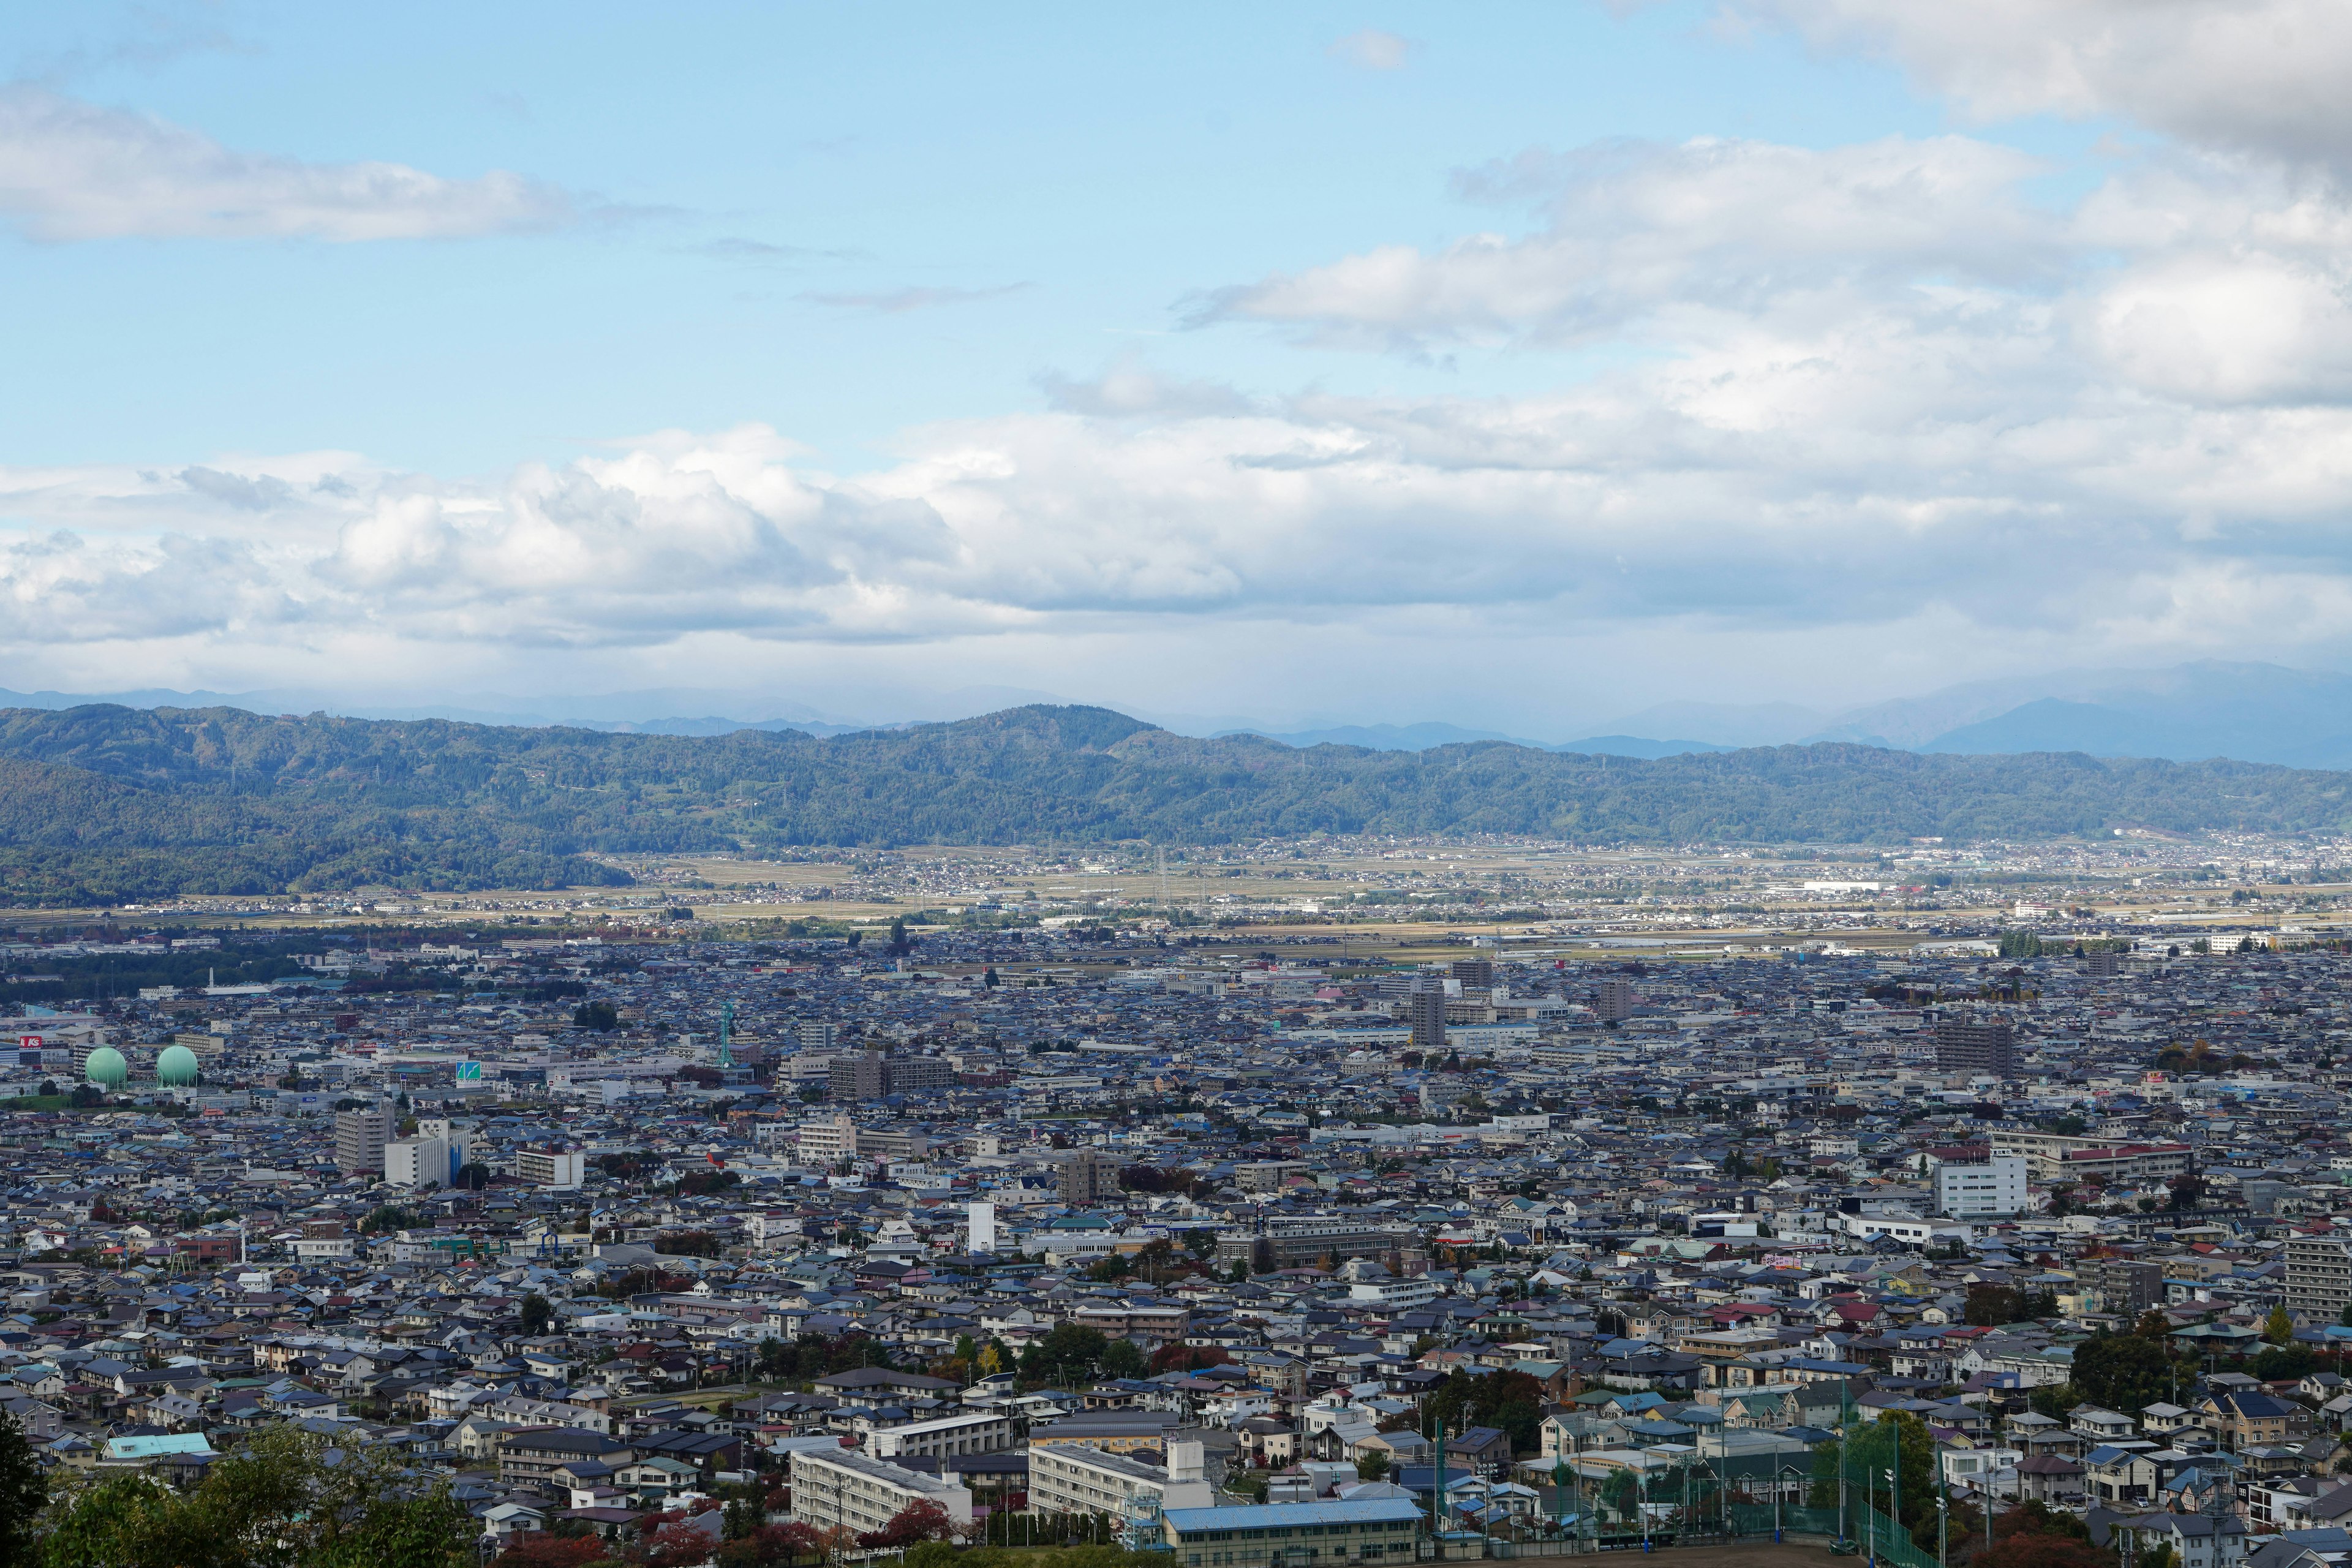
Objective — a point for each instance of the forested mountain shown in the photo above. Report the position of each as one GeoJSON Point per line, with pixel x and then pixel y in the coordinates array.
{"type": "Point", "coordinates": [103, 803]}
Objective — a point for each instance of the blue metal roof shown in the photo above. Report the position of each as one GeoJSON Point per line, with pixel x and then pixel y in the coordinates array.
{"type": "Point", "coordinates": [1279, 1515]}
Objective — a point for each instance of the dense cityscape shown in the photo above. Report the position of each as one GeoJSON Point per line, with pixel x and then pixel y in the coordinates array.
{"type": "Point", "coordinates": [1612, 1200]}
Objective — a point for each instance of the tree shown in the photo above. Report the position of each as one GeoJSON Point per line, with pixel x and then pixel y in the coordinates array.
{"type": "Point", "coordinates": [921, 1520]}
{"type": "Point", "coordinates": [600, 1017]}
{"type": "Point", "coordinates": [1511, 1401]}
{"type": "Point", "coordinates": [773, 1546]}
{"type": "Point", "coordinates": [2122, 1372]}
{"type": "Point", "coordinates": [286, 1498]}
{"type": "Point", "coordinates": [1121, 1357]}
{"type": "Point", "coordinates": [536, 1314]}
{"type": "Point", "coordinates": [538, 1549]}
{"type": "Point", "coordinates": [1372, 1465]}
{"type": "Point", "coordinates": [473, 1176]}
{"type": "Point", "coordinates": [2279, 1327]}
{"type": "Point", "coordinates": [24, 1492]}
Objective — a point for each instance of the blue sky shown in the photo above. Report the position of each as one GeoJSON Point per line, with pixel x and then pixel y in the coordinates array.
{"type": "Point", "coordinates": [1313, 366]}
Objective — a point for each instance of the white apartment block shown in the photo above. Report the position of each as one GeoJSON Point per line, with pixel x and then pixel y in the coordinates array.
{"type": "Point", "coordinates": [557, 1168]}
{"type": "Point", "coordinates": [1995, 1189]}
{"type": "Point", "coordinates": [842, 1486]}
{"type": "Point", "coordinates": [980, 1432]}
{"type": "Point", "coordinates": [1393, 1292]}
{"type": "Point", "coordinates": [828, 1141]}
{"type": "Point", "coordinates": [1070, 1477]}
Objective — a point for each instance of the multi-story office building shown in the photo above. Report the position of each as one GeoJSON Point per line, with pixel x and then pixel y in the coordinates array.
{"type": "Point", "coordinates": [840, 1487]}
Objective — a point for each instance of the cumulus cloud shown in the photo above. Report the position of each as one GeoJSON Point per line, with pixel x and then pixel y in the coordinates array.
{"type": "Point", "coordinates": [2251, 76]}
{"type": "Point", "coordinates": [72, 170]}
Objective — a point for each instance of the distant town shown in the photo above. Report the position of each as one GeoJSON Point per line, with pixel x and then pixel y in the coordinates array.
{"type": "Point", "coordinates": [1361, 1201]}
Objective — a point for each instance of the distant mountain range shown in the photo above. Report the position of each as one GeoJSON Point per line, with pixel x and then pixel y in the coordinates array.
{"type": "Point", "coordinates": [2250, 713]}
{"type": "Point", "coordinates": [1422, 737]}
{"type": "Point", "coordinates": [101, 805]}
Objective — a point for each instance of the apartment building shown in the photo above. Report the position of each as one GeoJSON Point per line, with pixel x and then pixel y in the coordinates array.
{"type": "Point", "coordinates": [1089, 1175]}
{"type": "Point", "coordinates": [1962, 1046]}
{"type": "Point", "coordinates": [360, 1138]}
{"type": "Point", "coordinates": [1075, 1478]}
{"type": "Point", "coordinates": [1994, 1190]}
{"type": "Point", "coordinates": [2319, 1277]}
{"type": "Point", "coordinates": [947, 1437]}
{"type": "Point", "coordinates": [560, 1169]}
{"type": "Point", "coordinates": [842, 1486]}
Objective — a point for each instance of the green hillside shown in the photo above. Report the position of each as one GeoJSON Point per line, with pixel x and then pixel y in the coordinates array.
{"type": "Point", "coordinates": [107, 804]}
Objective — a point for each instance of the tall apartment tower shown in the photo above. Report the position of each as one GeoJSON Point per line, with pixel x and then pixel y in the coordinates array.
{"type": "Point", "coordinates": [1089, 1175]}
{"type": "Point", "coordinates": [2319, 1277]}
{"type": "Point", "coordinates": [862, 1077]}
{"type": "Point", "coordinates": [1617, 1001]}
{"type": "Point", "coordinates": [1424, 1013]}
{"type": "Point", "coordinates": [360, 1138]}
{"type": "Point", "coordinates": [1962, 1046]}
{"type": "Point", "coordinates": [2128, 1285]}
{"type": "Point", "coordinates": [1475, 973]}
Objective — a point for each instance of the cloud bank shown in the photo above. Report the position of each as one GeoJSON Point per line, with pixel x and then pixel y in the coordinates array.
{"type": "Point", "coordinates": [71, 170]}
{"type": "Point", "coordinates": [1884, 403]}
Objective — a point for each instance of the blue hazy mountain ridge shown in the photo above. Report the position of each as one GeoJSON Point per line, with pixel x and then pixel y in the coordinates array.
{"type": "Point", "coordinates": [1425, 736]}
{"type": "Point", "coordinates": [1382, 737]}
{"type": "Point", "coordinates": [1635, 746]}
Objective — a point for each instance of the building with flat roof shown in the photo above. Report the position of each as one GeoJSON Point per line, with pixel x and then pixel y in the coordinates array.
{"type": "Point", "coordinates": [946, 1437]}
{"type": "Point", "coordinates": [2319, 1277]}
{"type": "Point", "coordinates": [840, 1487]}
{"type": "Point", "coordinates": [1089, 1175]}
{"type": "Point", "coordinates": [1071, 1477]}
{"type": "Point", "coordinates": [1987, 1048]}
{"type": "Point", "coordinates": [1384, 1529]}
{"type": "Point", "coordinates": [1995, 1189]}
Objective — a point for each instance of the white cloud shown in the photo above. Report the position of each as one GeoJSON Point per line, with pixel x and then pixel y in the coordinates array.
{"type": "Point", "coordinates": [1374, 50]}
{"type": "Point", "coordinates": [71, 170]}
{"type": "Point", "coordinates": [898, 302]}
{"type": "Point", "coordinates": [2257, 75]}
{"type": "Point", "coordinates": [1635, 229]}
